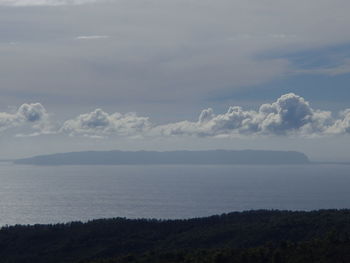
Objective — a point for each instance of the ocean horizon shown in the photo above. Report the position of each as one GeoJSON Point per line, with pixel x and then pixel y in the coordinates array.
{"type": "Point", "coordinates": [44, 194]}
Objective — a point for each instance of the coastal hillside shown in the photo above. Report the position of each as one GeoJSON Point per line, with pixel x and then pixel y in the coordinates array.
{"type": "Point", "coordinates": [252, 236]}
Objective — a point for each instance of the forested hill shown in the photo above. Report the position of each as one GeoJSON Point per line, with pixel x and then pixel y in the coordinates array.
{"type": "Point", "coordinates": [168, 157]}
{"type": "Point", "coordinates": [254, 236]}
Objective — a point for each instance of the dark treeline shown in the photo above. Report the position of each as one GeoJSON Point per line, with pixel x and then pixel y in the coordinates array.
{"type": "Point", "coordinates": [331, 249]}
{"type": "Point", "coordinates": [253, 236]}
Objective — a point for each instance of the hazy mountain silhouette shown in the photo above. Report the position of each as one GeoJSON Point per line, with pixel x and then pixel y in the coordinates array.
{"type": "Point", "coordinates": [168, 157]}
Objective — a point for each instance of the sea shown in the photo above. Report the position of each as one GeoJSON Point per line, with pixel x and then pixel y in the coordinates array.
{"type": "Point", "coordinates": [59, 194]}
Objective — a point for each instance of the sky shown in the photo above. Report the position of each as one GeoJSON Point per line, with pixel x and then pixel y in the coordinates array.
{"type": "Point", "coordinates": [164, 75]}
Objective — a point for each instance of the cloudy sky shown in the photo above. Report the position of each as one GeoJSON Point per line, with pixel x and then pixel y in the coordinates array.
{"type": "Point", "coordinates": [185, 74]}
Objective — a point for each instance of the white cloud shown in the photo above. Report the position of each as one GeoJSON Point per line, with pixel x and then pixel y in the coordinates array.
{"type": "Point", "coordinates": [92, 37]}
{"type": "Point", "coordinates": [8, 120]}
{"type": "Point", "coordinates": [289, 115]}
{"type": "Point", "coordinates": [45, 2]}
{"type": "Point", "coordinates": [343, 67]}
{"type": "Point", "coordinates": [341, 125]}
{"type": "Point", "coordinates": [32, 112]}
{"type": "Point", "coordinates": [99, 123]}
{"type": "Point", "coordinates": [33, 115]}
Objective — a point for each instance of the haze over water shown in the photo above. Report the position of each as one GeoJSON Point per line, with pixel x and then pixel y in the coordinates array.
{"type": "Point", "coordinates": [32, 194]}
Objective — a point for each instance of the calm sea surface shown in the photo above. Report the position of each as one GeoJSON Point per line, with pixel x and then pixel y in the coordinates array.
{"type": "Point", "coordinates": [32, 194]}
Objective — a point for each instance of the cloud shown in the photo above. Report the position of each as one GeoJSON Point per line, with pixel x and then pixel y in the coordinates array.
{"type": "Point", "coordinates": [289, 115]}
{"type": "Point", "coordinates": [92, 37]}
{"type": "Point", "coordinates": [216, 48]}
{"type": "Point", "coordinates": [45, 2]}
{"type": "Point", "coordinates": [342, 68]}
{"type": "Point", "coordinates": [99, 123]}
{"type": "Point", "coordinates": [341, 125]}
{"type": "Point", "coordinates": [33, 114]}
{"type": "Point", "coordinates": [8, 120]}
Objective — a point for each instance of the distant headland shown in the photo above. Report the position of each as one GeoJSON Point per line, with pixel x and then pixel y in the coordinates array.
{"type": "Point", "coordinates": [210, 157]}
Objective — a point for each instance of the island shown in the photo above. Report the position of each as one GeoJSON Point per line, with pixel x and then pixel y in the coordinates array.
{"type": "Point", "coordinates": [209, 157]}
